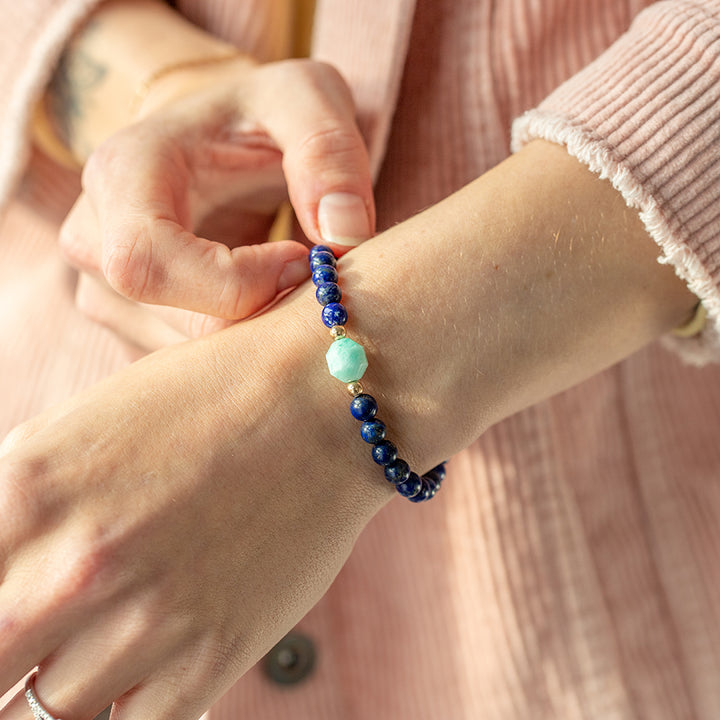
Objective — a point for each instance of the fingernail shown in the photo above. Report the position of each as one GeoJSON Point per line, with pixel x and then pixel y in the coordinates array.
{"type": "Point", "coordinates": [294, 272]}
{"type": "Point", "coordinates": [343, 219]}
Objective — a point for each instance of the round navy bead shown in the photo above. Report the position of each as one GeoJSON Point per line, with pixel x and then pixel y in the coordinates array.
{"type": "Point", "coordinates": [411, 487]}
{"type": "Point", "coordinates": [372, 431]}
{"type": "Point", "coordinates": [435, 477]}
{"type": "Point", "coordinates": [322, 258]}
{"type": "Point", "coordinates": [397, 471]}
{"type": "Point", "coordinates": [423, 494]}
{"type": "Point", "coordinates": [363, 407]}
{"type": "Point", "coordinates": [334, 314]}
{"type": "Point", "coordinates": [328, 292]}
{"type": "Point", "coordinates": [315, 249]}
{"type": "Point", "coordinates": [383, 453]}
{"type": "Point", "coordinates": [432, 482]}
{"type": "Point", "coordinates": [323, 274]}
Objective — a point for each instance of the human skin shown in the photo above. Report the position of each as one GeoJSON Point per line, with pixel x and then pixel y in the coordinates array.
{"type": "Point", "coordinates": [162, 544]}
{"type": "Point", "coordinates": [196, 184]}
{"type": "Point", "coordinates": [532, 278]}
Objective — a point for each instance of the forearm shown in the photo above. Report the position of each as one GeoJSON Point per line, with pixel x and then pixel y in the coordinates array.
{"type": "Point", "coordinates": [527, 281]}
{"type": "Point", "coordinates": [94, 91]}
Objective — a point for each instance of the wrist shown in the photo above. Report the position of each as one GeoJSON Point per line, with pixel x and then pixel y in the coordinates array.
{"type": "Point", "coordinates": [193, 75]}
{"type": "Point", "coordinates": [524, 283]}
{"type": "Point", "coordinates": [306, 411]}
{"type": "Point", "coordinates": [106, 64]}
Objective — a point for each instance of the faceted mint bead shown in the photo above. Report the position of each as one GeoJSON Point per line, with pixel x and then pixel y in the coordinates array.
{"type": "Point", "coordinates": [346, 360]}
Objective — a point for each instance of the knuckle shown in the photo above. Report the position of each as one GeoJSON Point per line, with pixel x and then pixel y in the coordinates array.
{"type": "Point", "coordinates": [85, 569]}
{"type": "Point", "coordinates": [91, 558]}
{"type": "Point", "coordinates": [126, 265]}
{"type": "Point", "coordinates": [102, 161]}
{"type": "Point", "coordinates": [331, 78]}
{"type": "Point", "coordinates": [72, 246]}
{"type": "Point", "coordinates": [15, 437]}
{"type": "Point", "coordinates": [21, 507]}
{"type": "Point", "coordinates": [319, 82]}
{"type": "Point", "coordinates": [241, 294]}
{"type": "Point", "coordinates": [323, 77]}
{"type": "Point", "coordinates": [97, 165]}
{"type": "Point", "coordinates": [234, 302]}
{"type": "Point", "coordinates": [334, 144]}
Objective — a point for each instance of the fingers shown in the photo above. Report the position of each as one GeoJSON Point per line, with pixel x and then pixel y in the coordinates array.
{"type": "Point", "coordinates": [79, 239]}
{"type": "Point", "coordinates": [149, 254]}
{"type": "Point", "coordinates": [307, 108]}
{"type": "Point", "coordinates": [151, 185]}
{"type": "Point", "coordinates": [148, 327]}
{"type": "Point", "coordinates": [19, 434]}
{"type": "Point", "coordinates": [132, 321]}
{"type": "Point", "coordinates": [86, 673]}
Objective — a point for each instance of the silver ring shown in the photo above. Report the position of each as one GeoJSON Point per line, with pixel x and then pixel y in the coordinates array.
{"type": "Point", "coordinates": [36, 706]}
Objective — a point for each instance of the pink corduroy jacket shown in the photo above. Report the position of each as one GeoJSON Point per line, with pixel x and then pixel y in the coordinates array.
{"type": "Point", "coordinates": [571, 568]}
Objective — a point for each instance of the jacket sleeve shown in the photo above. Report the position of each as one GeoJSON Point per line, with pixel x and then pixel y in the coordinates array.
{"type": "Point", "coordinates": [646, 115]}
{"type": "Point", "coordinates": [34, 35]}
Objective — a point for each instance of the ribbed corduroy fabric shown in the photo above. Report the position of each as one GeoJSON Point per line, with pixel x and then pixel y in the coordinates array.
{"type": "Point", "coordinates": [569, 569]}
{"type": "Point", "coordinates": [645, 117]}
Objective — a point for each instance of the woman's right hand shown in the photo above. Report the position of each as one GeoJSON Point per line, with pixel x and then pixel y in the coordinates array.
{"type": "Point", "coordinates": [176, 208]}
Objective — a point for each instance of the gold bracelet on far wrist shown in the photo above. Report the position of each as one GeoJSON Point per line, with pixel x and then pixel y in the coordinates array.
{"type": "Point", "coordinates": [696, 324]}
{"type": "Point", "coordinates": [45, 137]}
{"type": "Point", "coordinates": [144, 88]}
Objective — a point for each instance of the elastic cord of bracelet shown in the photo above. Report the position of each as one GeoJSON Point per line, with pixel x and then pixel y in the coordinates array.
{"type": "Point", "coordinates": [347, 362]}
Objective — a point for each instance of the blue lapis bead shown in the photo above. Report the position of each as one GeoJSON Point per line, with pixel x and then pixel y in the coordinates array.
{"type": "Point", "coordinates": [328, 292]}
{"type": "Point", "coordinates": [372, 431]}
{"type": "Point", "coordinates": [347, 361]}
{"type": "Point", "coordinates": [334, 314]}
{"type": "Point", "coordinates": [426, 492]}
{"type": "Point", "coordinates": [411, 487]}
{"type": "Point", "coordinates": [323, 274]}
{"type": "Point", "coordinates": [423, 494]}
{"type": "Point", "coordinates": [431, 480]}
{"type": "Point", "coordinates": [363, 407]}
{"type": "Point", "coordinates": [383, 453]}
{"type": "Point", "coordinates": [315, 249]}
{"type": "Point", "coordinates": [434, 478]}
{"type": "Point", "coordinates": [397, 471]}
{"type": "Point", "coordinates": [322, 258]}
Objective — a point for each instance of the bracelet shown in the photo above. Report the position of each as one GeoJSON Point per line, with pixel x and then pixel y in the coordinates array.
{"type": "Point", "coordinates": [46, 139]}
{"type": "Point", "coordinates": [695, 325]}
{"type": "Point", "coordinates": [347, 361]}
{"type": "Point", "coordinates": [144, 88]}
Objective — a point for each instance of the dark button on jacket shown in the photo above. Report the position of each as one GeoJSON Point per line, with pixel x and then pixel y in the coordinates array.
{"type": "Point", "coordinates": [291, 660]}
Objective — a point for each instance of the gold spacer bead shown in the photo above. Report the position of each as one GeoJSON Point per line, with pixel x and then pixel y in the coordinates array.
{"type": "Point", "coordinates": [355, 388]}
{"type": "Point", "coordinates": [337, 331]}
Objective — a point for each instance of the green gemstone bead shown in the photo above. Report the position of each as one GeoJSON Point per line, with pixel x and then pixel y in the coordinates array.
{"type": "Point", "coordinates": [346, 360]}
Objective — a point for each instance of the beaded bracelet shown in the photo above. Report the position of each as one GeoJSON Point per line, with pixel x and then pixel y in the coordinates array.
{"type": "Point", "coordinates": [347, 361]}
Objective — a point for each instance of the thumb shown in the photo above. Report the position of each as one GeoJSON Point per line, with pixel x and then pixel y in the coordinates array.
{"type": "Point", "coordinates": [325, 160]}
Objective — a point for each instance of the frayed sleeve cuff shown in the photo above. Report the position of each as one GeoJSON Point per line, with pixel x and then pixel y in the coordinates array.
{"type": "Point", "coordinates": [646, 116]}
{"type": "Point", "coordinates": [37, 33]}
